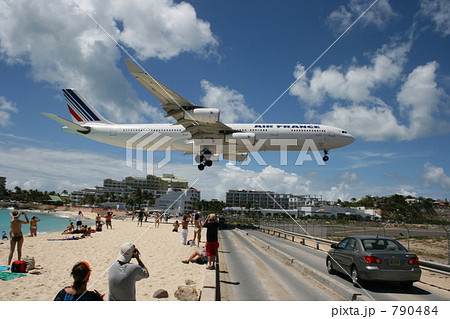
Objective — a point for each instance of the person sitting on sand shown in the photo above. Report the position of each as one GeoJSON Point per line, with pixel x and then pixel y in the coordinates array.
{"type": "Point", "coordinates": [4, 236]}
{"type": "Point", "coordinates": [33, 226]}
{"type": "Point", "coordinates": [69, 229]}
{"type": "Point", "coordinates": [123, 275]}
{"type": "Point", "coordinates": [16, 234]}
{"type": "Point", "coordinates": [176, 225]}
{"type": "Point", "coordinates": [78, 291]}
{"type": "Point", "coordinates": [198, 257]}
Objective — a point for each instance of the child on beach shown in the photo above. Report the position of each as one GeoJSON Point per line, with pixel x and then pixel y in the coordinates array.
{"type": "Point", "coordinates": [78, 292]}
{"type": "Point", "coordinates": [33, 226]}
{"type": "Point", "coordinates": [16, 234]}
{"type": "Point", "coordinates": [176, 225]}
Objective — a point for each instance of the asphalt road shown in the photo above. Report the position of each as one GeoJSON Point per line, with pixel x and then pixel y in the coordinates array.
{"type": "Point", "coordinates": [253, 273]}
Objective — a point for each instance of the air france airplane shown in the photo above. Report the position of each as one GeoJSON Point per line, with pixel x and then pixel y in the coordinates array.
{"type": "Point", "coordinates": [197, 130]}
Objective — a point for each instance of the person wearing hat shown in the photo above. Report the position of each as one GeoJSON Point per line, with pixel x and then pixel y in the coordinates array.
{"type": "Point", "coordinates": [16, 234]}
{"type": "Point", "coordinates": [123, 274]}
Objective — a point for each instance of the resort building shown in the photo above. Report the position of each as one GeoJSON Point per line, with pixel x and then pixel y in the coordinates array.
{"type": "Point", "coordinates": [2, 182]}
{"type": "Point", "coordinates": [178, 201]}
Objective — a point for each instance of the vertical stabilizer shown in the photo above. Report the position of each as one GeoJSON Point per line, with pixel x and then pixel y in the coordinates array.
{"type": "Point", "coordinates": [80, 110]}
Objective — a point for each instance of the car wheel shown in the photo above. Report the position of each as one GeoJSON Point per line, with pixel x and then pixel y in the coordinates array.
{"type": "Point", "coordinates": [406, 284]}
{"type": "Point", "coordinates": [330, 268]}
{"type": "Point", "coordinates": [357, 282]}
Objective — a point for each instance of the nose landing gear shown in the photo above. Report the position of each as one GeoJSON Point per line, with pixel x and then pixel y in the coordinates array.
{"type": "Point", "coordinates": [325, 155]}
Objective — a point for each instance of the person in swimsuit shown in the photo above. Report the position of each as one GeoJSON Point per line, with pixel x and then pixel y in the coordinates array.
{"type": "Point", "coordinates": [197, 229]}
{"type": "Point", "coordinates": [157, 220]}
{"type": "Point", "coordinates": [33, 226]}
{"type": "Point", "coordinates": [16, 234]}
{"type": "Point", "coordinates": [176, 225]}
{"type": "Point", "coordinates": [108, 218]}
{"type": "Point", "coordinates": [78, 292]}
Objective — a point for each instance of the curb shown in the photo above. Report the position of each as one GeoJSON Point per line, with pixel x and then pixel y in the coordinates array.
{"type": "Point", "coordinates": [338, 288]}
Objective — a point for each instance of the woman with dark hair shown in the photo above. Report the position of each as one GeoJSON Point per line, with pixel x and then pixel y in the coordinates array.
{"type": "Point", "coordinates": [78, 292]}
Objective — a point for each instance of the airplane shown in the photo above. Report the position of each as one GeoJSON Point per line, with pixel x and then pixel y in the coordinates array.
{"type": "Point", "coordinates": [197, 130]}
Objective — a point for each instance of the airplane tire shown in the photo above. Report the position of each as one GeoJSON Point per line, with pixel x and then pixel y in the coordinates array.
{"type": "Point", "coordinates": [198, 158]}
{"type": "Point", "coordinates": [201, 167]}
{"type": "Point", "coordinates": [208, 163]}
{"type": "Point", "coordinates": [325, 158]}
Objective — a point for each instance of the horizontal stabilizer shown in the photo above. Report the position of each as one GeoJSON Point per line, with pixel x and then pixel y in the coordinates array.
{"type": "Point", "coordinates": [72, 126]}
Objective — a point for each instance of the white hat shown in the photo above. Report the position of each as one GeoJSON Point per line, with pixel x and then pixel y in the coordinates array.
{"type": "Point", "coordinates": [126, 252]}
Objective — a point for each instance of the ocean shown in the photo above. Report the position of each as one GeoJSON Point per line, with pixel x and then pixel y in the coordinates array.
{"type": "Point", "coordinates": [49, 222]}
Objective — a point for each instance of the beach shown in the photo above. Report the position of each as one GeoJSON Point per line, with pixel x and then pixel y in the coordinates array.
{"type": "Point", "coordinates": [161, 251]}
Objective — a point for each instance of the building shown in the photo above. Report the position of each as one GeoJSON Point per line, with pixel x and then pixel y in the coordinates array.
{"type": "Point", "coordinates": [2, 182]}
{"type": "Point", "coordinates": [268, 200]}
{"type": "Point", "coordinates": [156, 185]}
{"type": "Point", "coordinates": [178, 201]}
{"type": "Point", "coordinates": [335, 212]}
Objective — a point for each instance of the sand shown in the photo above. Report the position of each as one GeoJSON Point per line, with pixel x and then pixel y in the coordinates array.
{"type": "Point", "coordinates": [161, 251]}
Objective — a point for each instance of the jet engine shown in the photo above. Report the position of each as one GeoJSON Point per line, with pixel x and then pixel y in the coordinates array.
{"type": "Point", "coordinates": [203, 115]}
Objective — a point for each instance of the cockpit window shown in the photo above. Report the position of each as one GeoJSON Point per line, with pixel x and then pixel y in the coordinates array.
{"type": "Point", "coordinates": [344, 132]}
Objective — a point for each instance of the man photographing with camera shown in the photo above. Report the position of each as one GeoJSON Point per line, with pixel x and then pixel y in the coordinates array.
{"type": "Point", "coordinates": [123, 274]}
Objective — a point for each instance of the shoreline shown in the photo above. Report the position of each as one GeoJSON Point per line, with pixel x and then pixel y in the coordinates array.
{"type": "Point", "coordinates": [161, 251]}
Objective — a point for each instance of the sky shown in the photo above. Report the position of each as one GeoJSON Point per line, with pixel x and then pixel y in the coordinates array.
{"type": "Point", "coordinates": [382, 74]}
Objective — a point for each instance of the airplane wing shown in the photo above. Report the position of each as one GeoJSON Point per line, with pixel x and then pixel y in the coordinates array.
{"type": "Point", "coordinates": [176, 106]}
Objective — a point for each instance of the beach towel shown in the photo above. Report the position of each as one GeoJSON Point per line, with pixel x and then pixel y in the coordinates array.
{"type": "Point", "coordinates": [56, 239]}
{"type": "Point", "coordinates": [10, 275]}
{"type": "Point", "coordinates": [4, 268]}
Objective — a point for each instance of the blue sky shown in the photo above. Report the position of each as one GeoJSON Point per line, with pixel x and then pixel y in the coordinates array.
{"type": "Point", "coordinates": [386, 81]}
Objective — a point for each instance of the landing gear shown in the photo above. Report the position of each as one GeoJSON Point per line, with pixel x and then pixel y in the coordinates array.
{"type": "Point", "coordinates": [203, 159]}
{"type": "Point", "coordinates": [325, 157]}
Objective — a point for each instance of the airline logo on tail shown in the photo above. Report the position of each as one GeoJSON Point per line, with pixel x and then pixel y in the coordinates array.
{"type": "Point", "coordinates": [79, 109]}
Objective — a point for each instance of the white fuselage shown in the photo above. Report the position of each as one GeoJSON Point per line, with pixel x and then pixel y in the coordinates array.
{"type": "Point", "coordinates": [266, 137]}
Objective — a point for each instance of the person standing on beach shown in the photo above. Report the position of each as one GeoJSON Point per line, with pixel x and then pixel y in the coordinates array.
{"type": "Point", "coordinates": [184, 229]}
{"type": "Point", "coordinates": [16, 234]}
{"type": "Point", "coordinates": [140, 217]}
{"type": "Point", "coordinates": [212, 239]}
{"type": "Point", "coordinates": [108, 217]}
{"type": "Point", "coordinates": [79, 219]}
{"type": "Point", "coordinates": [78, 291]}
{"type": "Point", "coordinates": [197, 229]}
{"type": "Point", "coordinates": [33, 226]}
{"type": "Point", "coordinates": [157, 220]}
{"type": "Point", "coordinates": [123, 275]}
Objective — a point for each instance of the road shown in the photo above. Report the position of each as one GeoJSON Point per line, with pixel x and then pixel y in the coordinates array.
{"type": "Point", "coordinates": [253, 273]}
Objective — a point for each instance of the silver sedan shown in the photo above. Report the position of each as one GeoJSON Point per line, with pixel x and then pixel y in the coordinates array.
{"type": "Point", "coordinates": [373, 258]}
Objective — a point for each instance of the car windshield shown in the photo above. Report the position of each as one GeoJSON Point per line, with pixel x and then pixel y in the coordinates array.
{"type": "Point", "coordinates": [372, 244]}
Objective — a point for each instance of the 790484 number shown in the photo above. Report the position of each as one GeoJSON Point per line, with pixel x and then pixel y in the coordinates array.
{"type": "Point", "coordinates": [411, 310]}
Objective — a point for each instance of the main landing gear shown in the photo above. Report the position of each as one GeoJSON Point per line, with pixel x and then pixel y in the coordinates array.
{"type": "Point", "coordinates": [204, 159]}
{"type": "Point", "coordinates": [325, 157]}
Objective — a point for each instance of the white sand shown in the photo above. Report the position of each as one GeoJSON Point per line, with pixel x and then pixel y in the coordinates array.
{"type": "Point", "coordinates": [161, 251]}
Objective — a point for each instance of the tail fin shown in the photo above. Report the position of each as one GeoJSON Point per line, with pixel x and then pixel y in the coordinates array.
{"type": "Point", "coordinates": [80, 110]}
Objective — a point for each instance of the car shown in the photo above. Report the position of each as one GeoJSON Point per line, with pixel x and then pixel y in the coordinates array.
{"type": "Point", "coordinates": [375, 259]}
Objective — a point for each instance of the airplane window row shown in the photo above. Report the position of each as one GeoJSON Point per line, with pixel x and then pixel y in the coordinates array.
{"type": "Point", "coordinates": [152, 130]}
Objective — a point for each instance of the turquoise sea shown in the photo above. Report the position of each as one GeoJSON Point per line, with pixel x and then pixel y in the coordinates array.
{"type": "Point", "coordinates": [49, 222]}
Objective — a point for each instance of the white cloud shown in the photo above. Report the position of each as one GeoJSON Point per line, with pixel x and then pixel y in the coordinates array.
{"type": "Point", "coordinates": [66, 48]}
{"type": "Point", "coordinates": [379, 15]}
{"type": "Point", "coordinates": [419, 98]}
{"type": "Point", "coordinates": [354, 84]}
{"type": "Point", "coordinates": [6, 108]}
{"type": "Point", "coordinates": [230, 102]}
{"type": "Point", "coordinates": [439, 12]}
{"type": "Point", "coordinates": [435, 175]}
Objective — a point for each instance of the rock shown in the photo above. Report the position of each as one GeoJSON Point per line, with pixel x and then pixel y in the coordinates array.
{"type": "Point", "coordinates": [161, 293]}
{"type": "Point", "coordinates": [186, 293]}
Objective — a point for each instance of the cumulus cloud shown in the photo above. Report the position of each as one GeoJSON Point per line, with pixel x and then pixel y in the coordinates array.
{"type": "Point", "coordinates": [435, 175]}
{"type": "Point", "coordinates": [230, 102]}
{"type": "Point", "coordinates": [439, 12]}
{"type": "Point", "coordinates": [379, 15]}
{"type": "Point", "coordinates": [357, 107]}
{"type": "Point", "coordinates": [6, 108]}
{"type": "Point", "coordinates": [65, 48]}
